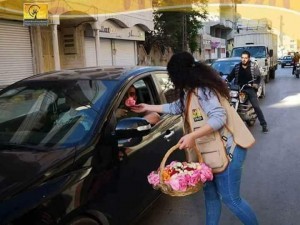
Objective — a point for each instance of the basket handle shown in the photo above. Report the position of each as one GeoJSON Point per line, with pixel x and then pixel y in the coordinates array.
{"type": "Point", "coordinates": [168, 153]}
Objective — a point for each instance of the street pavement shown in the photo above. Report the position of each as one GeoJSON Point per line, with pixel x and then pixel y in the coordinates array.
{"type": "Point", "coordinates": [271, 176]}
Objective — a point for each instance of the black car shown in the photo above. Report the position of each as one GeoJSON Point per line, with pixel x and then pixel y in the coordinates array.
{"type": "Point", "coordinates": [287, 61]}
{"type": "Point", "coordinates": [82, 165]}
{"type": "Point", "coordinates": [224, 66]}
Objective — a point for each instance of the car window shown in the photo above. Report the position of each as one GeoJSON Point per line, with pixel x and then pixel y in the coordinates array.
{"type": "Point", "coordinates": [138, 92]}
{"type": "Point", "coordinates": [224, 66]}
{"type": "Point", "coordinates": [255, 51]}
{"type": "Point", "coordinates": [48, 113]}
{"type": "Point", "coordinates": [166, 87]}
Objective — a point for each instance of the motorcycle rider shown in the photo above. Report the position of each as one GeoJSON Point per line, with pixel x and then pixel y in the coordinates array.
{"type": "Point", "coordinates": [244, 72]}
{"type": "Point", "coordinates": [296, 59]}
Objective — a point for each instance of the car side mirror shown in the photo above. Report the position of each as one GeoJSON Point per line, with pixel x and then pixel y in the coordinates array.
{"type": "Point", "coordinates": [130, 131]}
{"type": "Point", "coordinates": [271, 53]}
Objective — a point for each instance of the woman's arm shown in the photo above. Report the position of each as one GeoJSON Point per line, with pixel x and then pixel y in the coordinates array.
{"type": "Point", "coordinates": [141, 108]}
{"type": "Point", "coordinates": [170, 108]}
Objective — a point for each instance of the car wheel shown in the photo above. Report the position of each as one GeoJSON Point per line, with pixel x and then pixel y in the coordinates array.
{"type": "Point", "coordinates": [263, 91]}
{"type": "Point", "coordinates": [282, 66]}
{"type": "Point", "coordinates": [267, 78]}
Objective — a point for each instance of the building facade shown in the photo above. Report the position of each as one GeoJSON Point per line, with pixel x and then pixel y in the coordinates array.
{"type": "Point", "coordinates": [71, 39]}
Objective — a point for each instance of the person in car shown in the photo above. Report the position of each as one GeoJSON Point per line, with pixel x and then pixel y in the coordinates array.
{"type": "Point", "coordinates": [208, 115]}
{"type": "Point", "coordinates": [244, 72]}
{"type": "Point", "coordinates": [130, 99]}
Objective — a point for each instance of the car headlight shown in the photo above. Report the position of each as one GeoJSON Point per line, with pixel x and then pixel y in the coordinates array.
{"type": "Point", "coordinates": [234, 94]}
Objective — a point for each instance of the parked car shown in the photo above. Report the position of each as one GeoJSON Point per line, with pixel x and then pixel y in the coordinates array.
{"type": "Point", "coordinates": [224, 66]}
{"type": "Point", "coordinates": [81, 165]}
{"type": "Point", "coordinates": [209, 61]}
{"type": "Point", "coordinates": [287, 61]}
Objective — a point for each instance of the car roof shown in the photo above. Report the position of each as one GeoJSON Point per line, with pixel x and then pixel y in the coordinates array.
{"type": "Point", "coordinates": [95, 73]}
{"type": "Point", "coordinates": [229, 59]}
{"type": "Point", "coordinates": [232, 59]}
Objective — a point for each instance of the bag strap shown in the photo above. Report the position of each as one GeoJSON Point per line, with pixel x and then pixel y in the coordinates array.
{"type": "Point", "coordinates": [186, 113]}
{"type": "Point", "coordinates": [224, 138]}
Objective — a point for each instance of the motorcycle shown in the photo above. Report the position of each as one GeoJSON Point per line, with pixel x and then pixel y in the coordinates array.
{"type": "Point", "coordinates": [297, 70]}
{"type": "Point", "coordinates": [241, 103]}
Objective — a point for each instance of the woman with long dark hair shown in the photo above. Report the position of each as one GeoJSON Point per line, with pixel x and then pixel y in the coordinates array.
{"type": "Point", "coordinates": [210, 122]}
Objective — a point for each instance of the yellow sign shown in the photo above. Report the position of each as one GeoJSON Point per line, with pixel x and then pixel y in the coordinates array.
{"type": "Point", "coordinates": [35, 14]}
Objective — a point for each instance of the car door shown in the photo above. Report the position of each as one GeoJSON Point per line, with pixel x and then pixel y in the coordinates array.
{"type": "Point", "coordinates": [133, 192]}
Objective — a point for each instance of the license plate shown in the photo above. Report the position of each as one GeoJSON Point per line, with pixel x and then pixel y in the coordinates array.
{"type": "Point", "coordinates": [288, 64]}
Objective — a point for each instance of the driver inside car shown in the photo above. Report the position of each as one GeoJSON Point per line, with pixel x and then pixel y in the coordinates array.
{"type": "Point", "coordinates": [130, 99]}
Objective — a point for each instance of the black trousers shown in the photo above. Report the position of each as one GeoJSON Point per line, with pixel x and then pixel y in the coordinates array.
{"type": "Point", "coordinates": [294, 68]}
{"type": "Point", "coordinates": [254, 101]}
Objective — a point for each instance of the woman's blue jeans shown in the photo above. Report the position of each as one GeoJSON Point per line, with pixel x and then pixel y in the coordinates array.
{"type": "Point", "coordinates": [225, 187]}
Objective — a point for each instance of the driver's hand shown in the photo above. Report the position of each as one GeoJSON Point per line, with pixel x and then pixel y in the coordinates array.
{"type": "Point", "coordinates": [255, 86]}
{"type": "Point", "coordinates": [121, 113]}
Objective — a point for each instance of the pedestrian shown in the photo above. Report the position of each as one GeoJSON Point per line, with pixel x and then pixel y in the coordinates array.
{"type": "Point", "coordinates": [295, 61]}
{"type": "Point", "coordinates": [204, 99]}
{"type": "Point", "coordinates": [243, 73]}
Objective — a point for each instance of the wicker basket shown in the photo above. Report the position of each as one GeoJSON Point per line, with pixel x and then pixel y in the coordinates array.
{"type": "Point", "coordinates": [165, 188]}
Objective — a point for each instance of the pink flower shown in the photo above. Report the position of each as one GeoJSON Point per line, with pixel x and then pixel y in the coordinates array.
{"type": "Point", "coordinates": [194, 178]}
{"type": "Point", "coordinates": [153, 178]}
{"type": "Point", "coordinates": [182, 175]}
{"type": "Point", "coordinates": [178, 182]}
{"type": "Point", "coordinates": [130, 102]}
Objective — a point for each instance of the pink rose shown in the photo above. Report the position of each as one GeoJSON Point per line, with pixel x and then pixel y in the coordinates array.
{"type": "Point", "coordinates": [130, 102]}
{"type": "Point", "coordinates": [178, 182]}
{"type": "Point", "coordinates": [153, 178]}
{"type": "Point", "coordinates": [195, 178]}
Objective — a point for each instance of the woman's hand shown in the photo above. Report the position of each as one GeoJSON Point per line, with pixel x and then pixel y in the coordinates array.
{"type": "Point", "coordinates": [140, 108]}
{"type": "Point", "coordinates": [187, 141]}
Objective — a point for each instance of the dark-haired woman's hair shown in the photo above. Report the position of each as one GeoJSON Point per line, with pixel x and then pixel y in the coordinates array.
{"type": "Point", "coordinates": [186, 75]}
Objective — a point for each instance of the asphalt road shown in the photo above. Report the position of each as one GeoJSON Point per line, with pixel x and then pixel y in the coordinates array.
{"type": "Point", "coordinates": [271, 176]}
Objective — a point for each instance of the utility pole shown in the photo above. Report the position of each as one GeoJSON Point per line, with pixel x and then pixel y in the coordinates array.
{"type": "Point", "coordinates": [281, 31]}
{"type": "Point", "coordinates": [281, 35]}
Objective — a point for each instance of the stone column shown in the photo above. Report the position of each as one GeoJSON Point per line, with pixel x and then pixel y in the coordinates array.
{"type": "Point", "coordinates": [55, 22]}
{"type": "Point", "coordinates": [97, 44]}
{"type": "Point", "coordinates": [39, 50]}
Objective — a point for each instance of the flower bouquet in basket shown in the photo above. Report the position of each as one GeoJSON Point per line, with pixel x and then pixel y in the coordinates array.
{"type": "Point", "coordinates": [180, 178]}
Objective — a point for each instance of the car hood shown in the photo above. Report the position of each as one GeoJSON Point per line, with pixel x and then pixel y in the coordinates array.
{"type": "Point", "coordinates": [20, 170]}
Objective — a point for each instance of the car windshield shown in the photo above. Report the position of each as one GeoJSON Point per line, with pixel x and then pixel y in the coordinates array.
{"type": "Point", "coordinates": [225, 67]}
{"type": "Point", "coordinates": [48, 113]}
{"type": "Point", "coordinates": [255, 51]}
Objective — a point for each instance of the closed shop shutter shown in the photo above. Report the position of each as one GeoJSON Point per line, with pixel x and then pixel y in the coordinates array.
{"type": "Point", "coordinates": [125, 53]}
{"type": "Point", "coordinates": [15, 52]}
{"type": "Point", "coordinates": [105, 52]}
{"type": "Point", "coordinates": [90, 52]}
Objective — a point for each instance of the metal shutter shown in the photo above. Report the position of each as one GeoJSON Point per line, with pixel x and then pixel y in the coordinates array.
{"type": "Point", "coordinates": [105, 52]}
{"type": "Point", "coordinates": [90, 52]}
{"type": "Point", "coordinates": [15, 52]}
{"type": "Point", "coordinates": [125, 54]}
